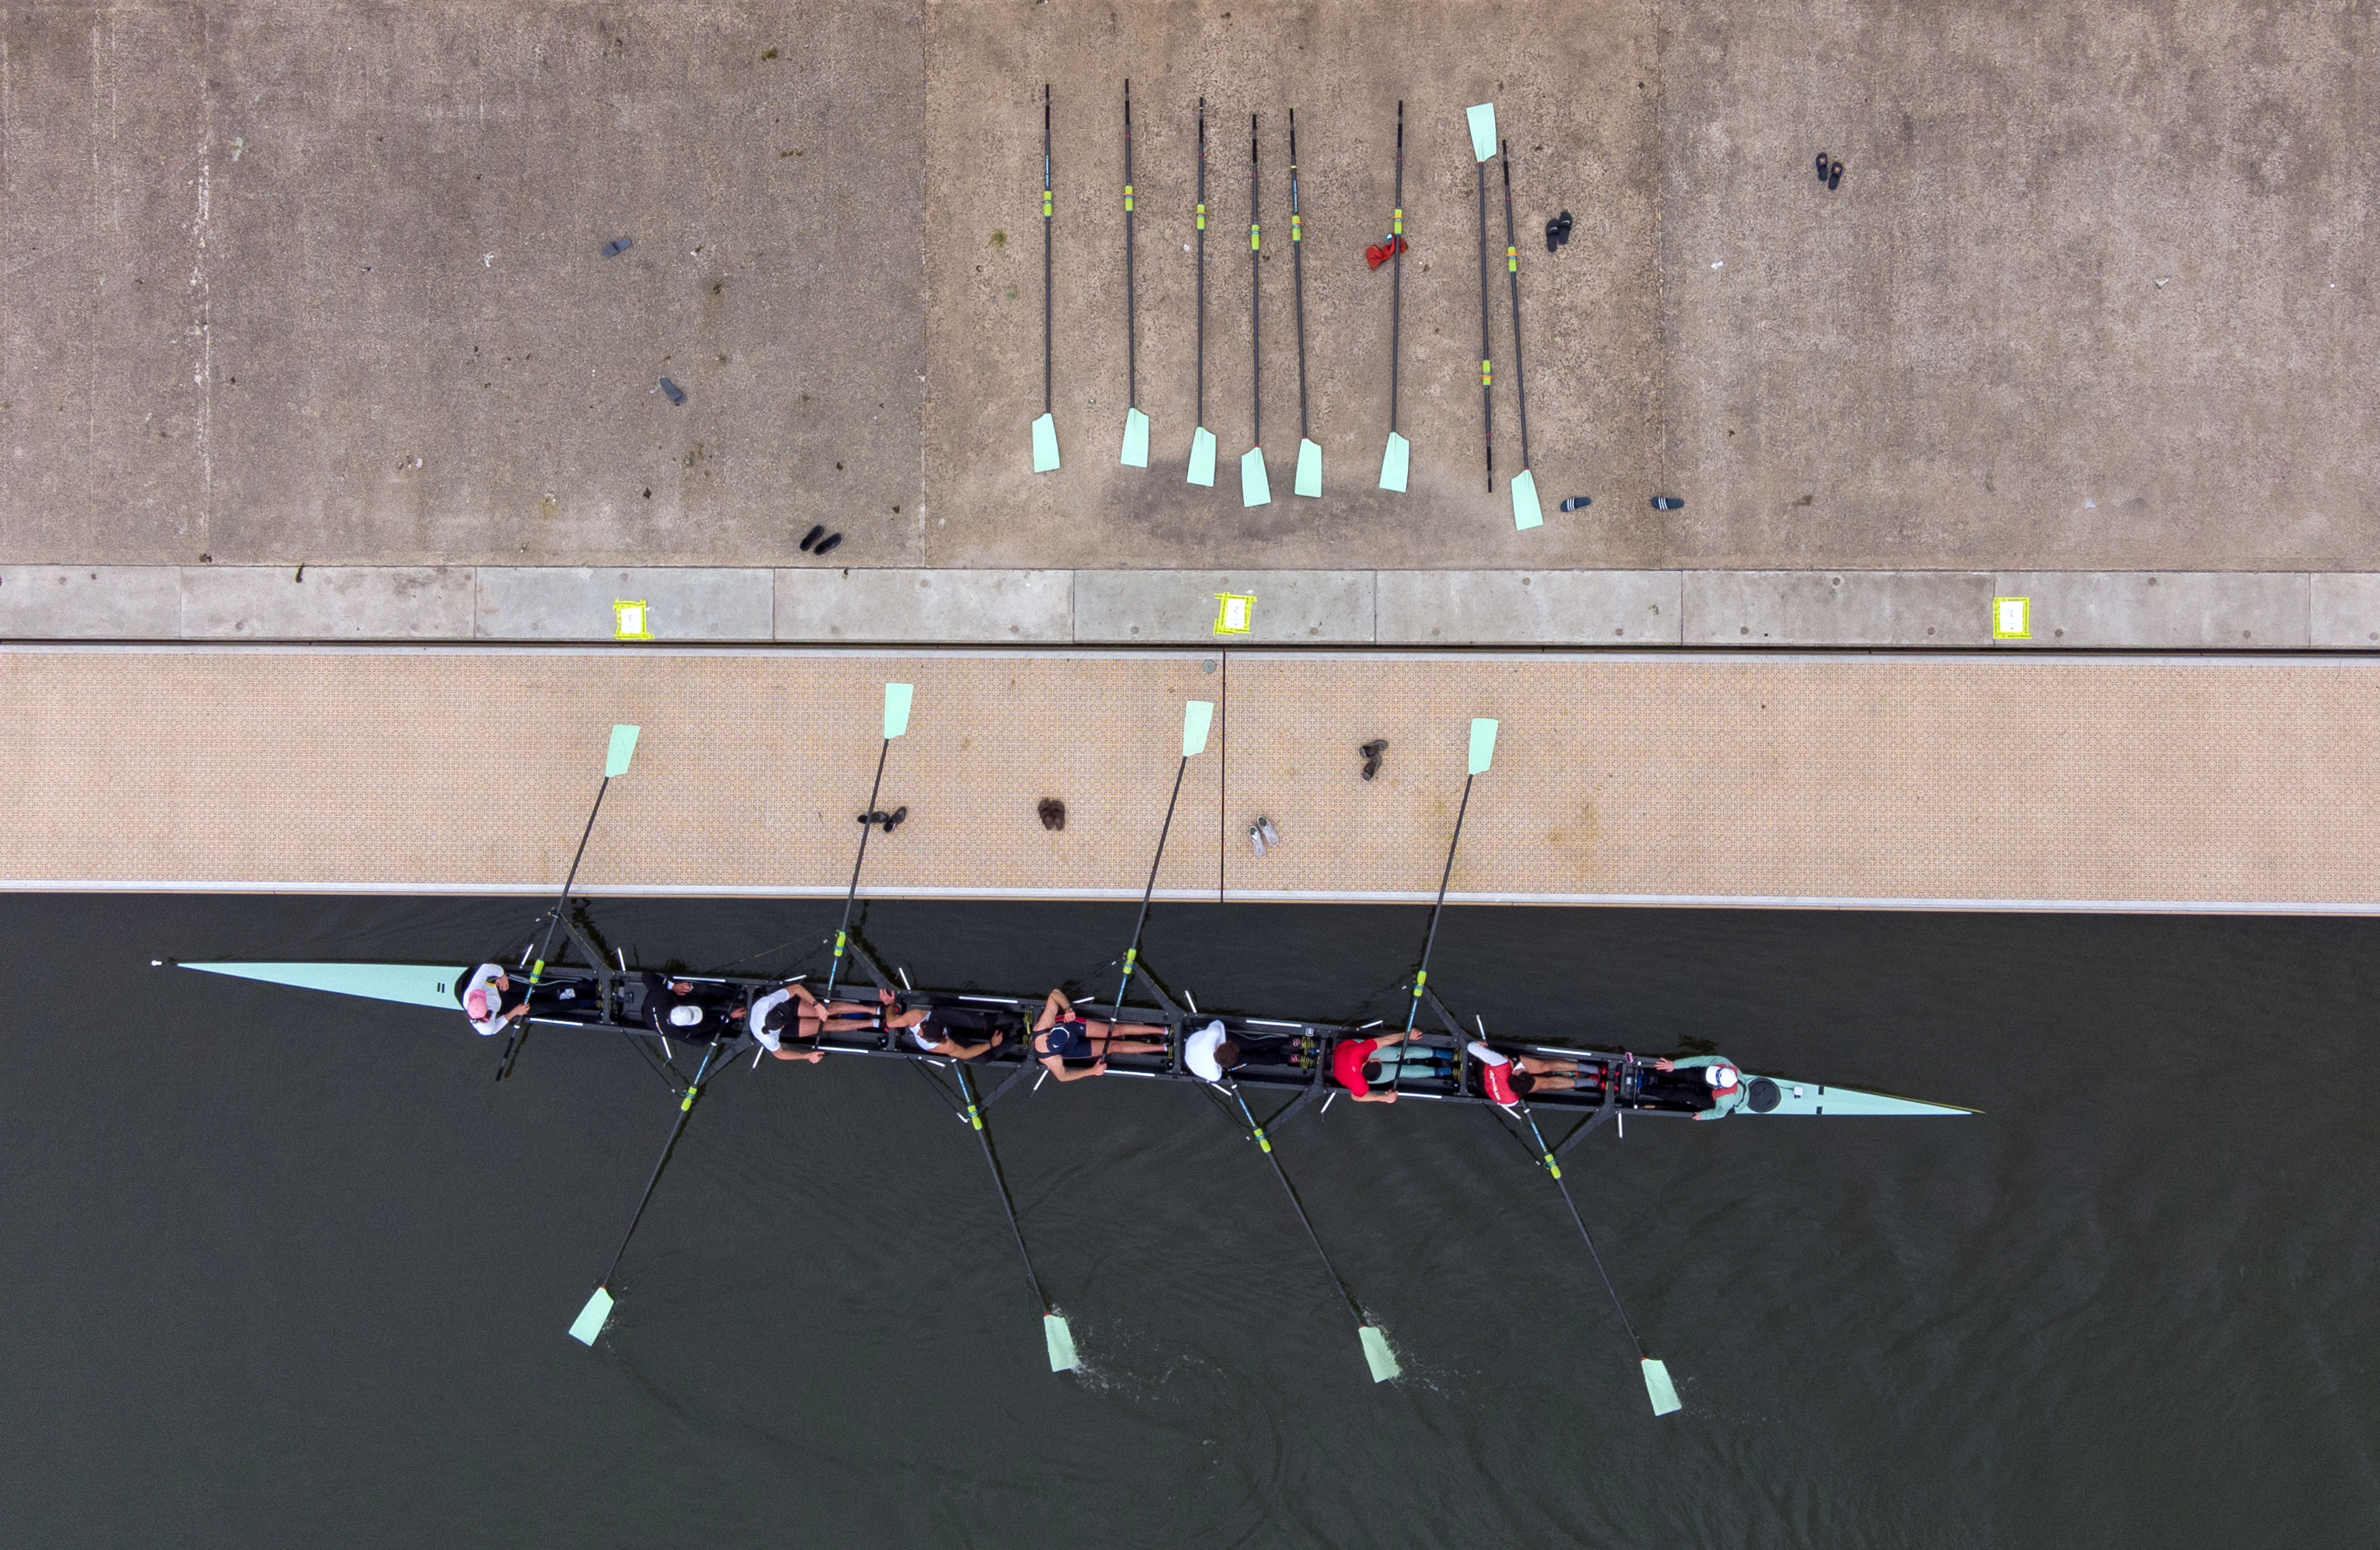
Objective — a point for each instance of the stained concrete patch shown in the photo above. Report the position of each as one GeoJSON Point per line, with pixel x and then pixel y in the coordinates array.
{"type": "Point", "coordinates": [577, 605]}
{"type": "Point", "coordinates": [90, 602]}
{"type": "Point", "coordinates": [993, 608]}
{"type": "Point", "coordinates": [1312, 608]}
{"type": "Point", "coordinates": [2168, 610]}
{"type": "Point", "coordinates": [2346, 611]}
{"type": "Point", "coordinates": [1843, 607]}
{"type": "Point", "coordinates": [242, 602]}
{"type": "Point", "coordinates": [1529, 608]}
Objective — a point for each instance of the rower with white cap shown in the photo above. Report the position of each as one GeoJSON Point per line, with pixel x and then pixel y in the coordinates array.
{"type": "Point", "coordinates": [675, 1010]}
{"type": "Point", "coordinates": [483, 1000]}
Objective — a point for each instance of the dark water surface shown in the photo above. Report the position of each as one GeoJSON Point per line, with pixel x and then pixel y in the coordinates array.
{"type": "Point", "coordinates": [289, 1269]}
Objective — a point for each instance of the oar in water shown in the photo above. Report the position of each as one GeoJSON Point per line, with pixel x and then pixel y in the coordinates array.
{"type": "Point", "coordinates": [1377, 1354]}
{"type": "Point", "coordinates": [1054, 1329]}
{"type": "Point", "coordinates": [1045, 429]}
{"type": "Point", "coordinates": [591, 1319]}
{"type": "Point", "coordinates": [897, 697]}
{"type": "Point", "coordinates": [1664, 1393]}
{"type": "Point", "coordinates": [1483, 753]}
{"type": "Point", "coordinates": [615, 763]}
{"type": "Point", "coordinates": [1196, 716]}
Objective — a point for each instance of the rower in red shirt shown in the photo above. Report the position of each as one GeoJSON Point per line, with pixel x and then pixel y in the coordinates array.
{"type": "Point", "coordinates": [1509, 1081]}
{"type": "Point", "coordinates": [1356, 1065]}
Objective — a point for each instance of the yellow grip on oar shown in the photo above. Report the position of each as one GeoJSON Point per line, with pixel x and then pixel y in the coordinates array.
{"type": "Point", "coordinates": [1261, 1141]}
{"type": "Point", "coordinates": [840, 938]}
{"type": "Point", "coordinates": [1397, 223]}
{"type": "Point", "coordinates": [1202, 217]}
{"type": "Point", "coordinates": [1483, 374]}
{"type": "Point", "coordinates": [1045, 204]}
{"type": "Point", "coordinates": [689, 1100]}
{"type": "Point", "coordinates": [1252, 237]}
{"type": "Point", "coordinates": [1512, 259]}
{"type": "Point", "coordinates": [1296, 231]}
{"type": "Point", "coordinates": [1553, 1164]}
{"type": "Point", "coordinates": [1419, 980]}
{"type": "Point", "coordinates": [1127, 196]}
{"type": "Point", "coordinates": [537, 971]}
{"type": "Point", "coordinates": [974, 1117]}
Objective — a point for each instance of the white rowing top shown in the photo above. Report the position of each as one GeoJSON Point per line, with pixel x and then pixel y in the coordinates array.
{"type": "Point", "coordinates": [1198, 1052]}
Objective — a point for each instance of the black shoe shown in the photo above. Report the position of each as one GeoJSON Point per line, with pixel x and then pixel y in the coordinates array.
{"type": "Point", "coordinates": [1578, 503]}
{"type": "Point", "coordinates": [828, 542]}
{"type": "Point", "coordinates": [893, 817]}
{"type": "Point", "coordinates": [1563, 233]}
{"type": "Point", "coordinates": [871, 817]}
{"type": "Point", "coordinates": [815, 534]}
{"type": "Point", "coordinates": [1374, 748]}
{"type": "Point", "coordinates": [1371, 766]}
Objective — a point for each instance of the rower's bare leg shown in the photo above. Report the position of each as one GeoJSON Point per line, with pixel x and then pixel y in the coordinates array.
{"type": "Point", "coordinates": [1126, 1038]}
{"type": "Point", "coordinates": [1555, 1083]}
{"type": "Point", "coordinates": [1538, 1066]}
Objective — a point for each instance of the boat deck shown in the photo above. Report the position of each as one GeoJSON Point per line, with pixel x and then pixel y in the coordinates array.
{"type": "Point", "coordinates": [2188, 783]}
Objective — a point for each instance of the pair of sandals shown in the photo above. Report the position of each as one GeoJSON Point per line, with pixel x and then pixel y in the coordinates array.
{"type": "Point", "coordinates": [830, 540]}
{"type": "Point", "coordinates": [1558, 231]}
{"type": "Point", "coordinates": [1830, 170]}
{"type": "Point", "coordinates": [890, 821]}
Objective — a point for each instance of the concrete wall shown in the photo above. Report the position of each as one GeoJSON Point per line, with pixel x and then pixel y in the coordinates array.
{"type": "Point", "coordinates": [2067, 610]}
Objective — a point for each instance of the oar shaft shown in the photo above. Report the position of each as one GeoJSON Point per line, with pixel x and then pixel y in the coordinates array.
{"type": "Point", "coordinates": [1396, 267]}
{"type": "Point", "coordinates": [1255, 296]}
{"type": "Point", "coordinates": [1421, 978]}
{"type": "Point", "coordinates": [1131, 339]}
{"type": "Point", "coordinates": [1131, 953]}
{"type": "Point", "coordinates": [843, 932]}
{"type": "Point", "coordinates": [553, 924]}
{"type": "Point", "coordinates": [1201, 216]}
{"type": "Point", "coordinates": [685, 1112]}
{"type": "Point", "coordinates": [1256, 1131]}
{"type": "Point", "coordinates": [1297, 272]}
{"type": "Point", "coordinates": [1000, 1182]}
{"type": "Point", "coordinates": [1487, 398]}
{"type": "Point", "coordinates": [1048, 271]}
{"type": "Point", "coordinates": [1513, 269]}
{"type": "Point", "coordinates": [1547, 1156]}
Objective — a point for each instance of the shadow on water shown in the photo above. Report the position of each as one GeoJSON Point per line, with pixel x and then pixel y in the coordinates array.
{"type": "Point", "coordinates": [290, 1268]}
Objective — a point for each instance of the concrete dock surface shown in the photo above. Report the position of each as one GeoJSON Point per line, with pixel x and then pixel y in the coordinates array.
{"type": "Point", "coordinates": [2036, 781]}
{"type": "Point", "coordinates": [325, 283]}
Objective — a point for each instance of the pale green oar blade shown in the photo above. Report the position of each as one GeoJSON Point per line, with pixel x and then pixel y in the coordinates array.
{"type": "Point", "coordinates": [1062, 1344]}
{"type": "Point", "coordinates": [1483, 131]}
{"type": "Point", "coordinates": [1483, 743]}
{"type": "Point", "coordinates": [1202, 457]}
{"type": "Point", "coordinates": [896, 708]}
{"type": "Point", "coordinates": [1377, 1354]}
{"type": "Point", "coordinates": [1394, 462]}
{"type": "Point", "coordinates": [1135, 438]}
{"type": "Point", "coordinates": [1196, 717]}
{"type": "Point", "coordinates": [592, 1318]}
{"type": "Point", "coordinates": [1045, 444]}
{"type": "Point", "coordinates": [1664, 1392]}
{"type": "Point", "coordinates": [1526, 512]}
{"type": "Point", "coordinates": [623, 748]}
{"type": "Point", "coordinates": [1255, 489]}
{"type": "Point", "coordinates": [1309, 468]}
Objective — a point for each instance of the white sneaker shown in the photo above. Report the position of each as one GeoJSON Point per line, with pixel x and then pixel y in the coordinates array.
{"type": "Point", "coordinates": [1256, 838]}
{"type": "Point", "coordinates": [1271, 836]}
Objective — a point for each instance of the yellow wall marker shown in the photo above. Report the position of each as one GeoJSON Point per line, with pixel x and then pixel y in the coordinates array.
{"type": "Point", "coordinates": [2011, 618]}
{"type": "Point", "coordinates": [1236, 613]}
{"type": "Point", "coordinates": [631, 620]}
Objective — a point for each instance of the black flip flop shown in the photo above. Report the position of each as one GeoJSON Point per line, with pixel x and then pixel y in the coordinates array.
{"type": "Point", "coordinates": [1668, 504]}
{"type": "Point", "coordinates": [815, 534]}
{"type": "Point", "coordinates": [1835, 176]}
{"type": "Point", "coordinates": [1553, 235]}
{"type": "Point", "coordinates": [828, 542]}
{"type": "Point", "coordinates": [1824, 161]}
{"type": "Point", "coordinates": [1577, 503]}
{"type": "Point", "coordinates": [893, 818]}
{"type": "Point", "coordinates": [1564, 220]}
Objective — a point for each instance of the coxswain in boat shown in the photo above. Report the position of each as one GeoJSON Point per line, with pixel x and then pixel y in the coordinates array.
{"type": "Point", "coordinates": [1060, 1035]}
{"type": "Point", "coordinates": [676, 1010]}
{"type": "Point", "coordinates": [1710, 1084]}
{"type": "Point", "coordinates": [1509, 1079]}
{"type": "Point", "coordinates": [487, 1001]}
{"type": "Point", "coordinates": [1360, 1064]}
